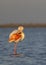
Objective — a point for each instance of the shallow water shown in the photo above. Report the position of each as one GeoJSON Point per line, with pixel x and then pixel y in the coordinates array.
{"type": "Point", "coordinates": [33, 47]}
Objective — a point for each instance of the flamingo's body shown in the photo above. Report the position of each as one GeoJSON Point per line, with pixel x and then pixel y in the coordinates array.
{"type": "Point", "coordinates": [16, 36]}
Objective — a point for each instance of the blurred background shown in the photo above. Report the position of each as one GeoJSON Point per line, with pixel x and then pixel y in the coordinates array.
{"type": "Point", "coordinates": [22, 11]}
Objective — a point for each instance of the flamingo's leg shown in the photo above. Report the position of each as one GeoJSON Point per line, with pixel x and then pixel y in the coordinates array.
{"type": "Point", "coordinates": [15, 48]}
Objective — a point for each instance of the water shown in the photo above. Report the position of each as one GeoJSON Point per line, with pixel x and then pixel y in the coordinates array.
{"type": "Point", "coordinates": [33, 47]}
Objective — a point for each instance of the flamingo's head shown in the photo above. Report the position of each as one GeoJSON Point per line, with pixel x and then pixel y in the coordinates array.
{"type": "Point", "coordinates": [20, 28]}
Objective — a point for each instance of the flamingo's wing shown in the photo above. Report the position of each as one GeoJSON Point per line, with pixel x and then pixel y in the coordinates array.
{"type": "Point", "coordinates": [10, 36]}
{"type": "Point", "coordinates": [21, 38]}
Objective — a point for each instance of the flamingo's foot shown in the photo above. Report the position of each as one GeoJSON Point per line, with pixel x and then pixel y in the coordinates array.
{"type": "Point", "coordinates": [16, 54]}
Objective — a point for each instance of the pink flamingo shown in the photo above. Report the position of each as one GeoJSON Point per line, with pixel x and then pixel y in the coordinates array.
{"type": "Point", "coordinates": [16, 36]}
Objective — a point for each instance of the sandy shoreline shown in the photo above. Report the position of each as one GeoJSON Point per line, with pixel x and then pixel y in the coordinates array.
{"type": "Point", "coordinates": [25, 25]}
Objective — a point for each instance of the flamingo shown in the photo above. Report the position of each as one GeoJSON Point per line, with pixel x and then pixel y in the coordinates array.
{"type": "Point", "coordinates": [16, 36]}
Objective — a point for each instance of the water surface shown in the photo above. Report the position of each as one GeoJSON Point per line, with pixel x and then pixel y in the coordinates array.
{"type": "Point", "coordinates": [33, 47]}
